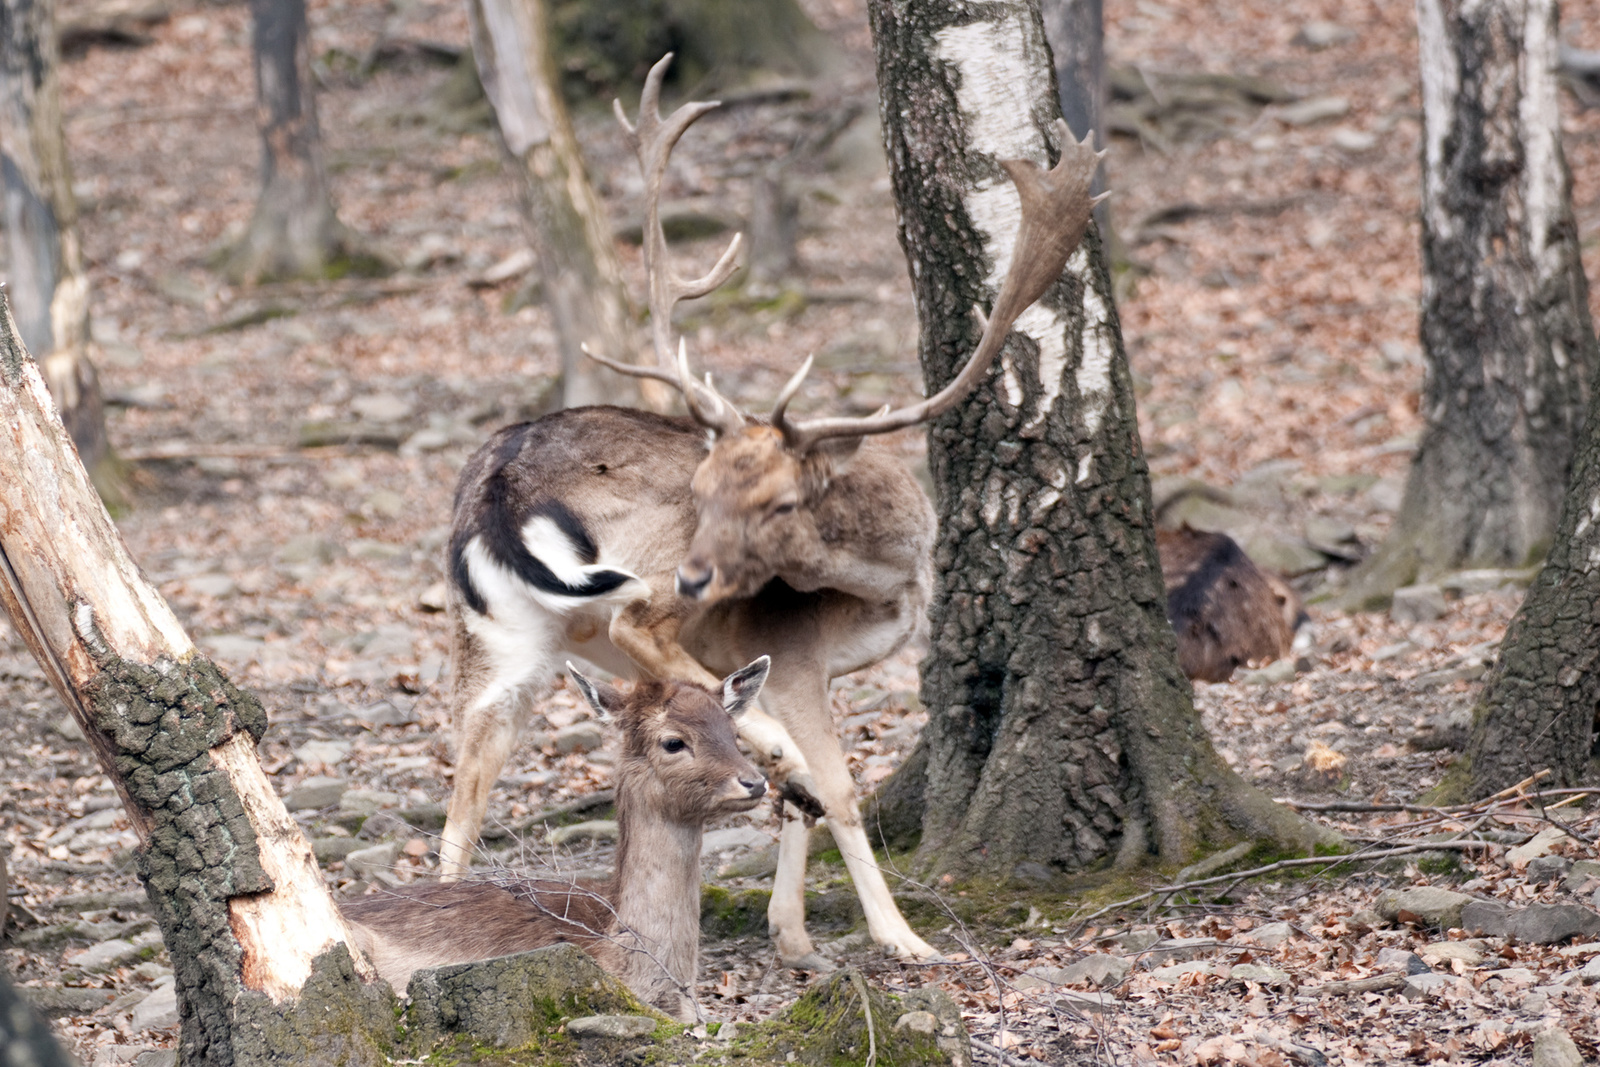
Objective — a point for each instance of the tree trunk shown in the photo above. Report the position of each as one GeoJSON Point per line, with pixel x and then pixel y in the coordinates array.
{"type": "Point", "coordinates": [294, 232]}
{"type": "Point", "coordinates": [1539, 710]}
{"type": "Point", "coordinates": [241, 903]}
{"type": "Point", "coordinates": [1075, 30]}
{"type": "Point", "coordinates": [1062, 733]}
{"type": "Point", "coordinates": [566, 224]}
{"type": "Point", "coordinates": [48, 283]}
{"type": "Point", "coordinates": [1506, 333]}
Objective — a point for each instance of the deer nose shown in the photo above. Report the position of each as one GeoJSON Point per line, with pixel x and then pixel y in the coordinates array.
{"type": "Point", "coordinates": [693, 579]}
{"type": "Point", "coordinates": [755, 785]}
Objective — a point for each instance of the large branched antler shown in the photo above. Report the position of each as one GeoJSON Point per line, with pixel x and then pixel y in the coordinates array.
{"type": "Point", "coordinates": [1056, 207]}
{"type": "Point", "coordinates": [652, 141]}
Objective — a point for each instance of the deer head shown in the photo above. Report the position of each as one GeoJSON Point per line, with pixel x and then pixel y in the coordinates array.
{"type": "Point", "coordinates": [679, 751]}
{"type": "Point", "coordinates": [757, 491]}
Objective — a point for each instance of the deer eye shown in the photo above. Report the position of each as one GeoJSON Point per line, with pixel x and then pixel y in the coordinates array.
{"type": "Point", "coordinates": [784, 508]}
{"type": "Point", "coordinates": [674, 744]}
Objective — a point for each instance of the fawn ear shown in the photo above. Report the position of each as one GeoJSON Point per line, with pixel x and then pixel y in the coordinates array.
{"type": "Point", "coordinates": [740, 688]}
{"type": "Point", "coordinates": [604, 699]}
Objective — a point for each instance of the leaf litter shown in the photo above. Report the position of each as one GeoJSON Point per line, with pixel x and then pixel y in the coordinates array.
{"type": "Point", "coordinates": [303, 442]}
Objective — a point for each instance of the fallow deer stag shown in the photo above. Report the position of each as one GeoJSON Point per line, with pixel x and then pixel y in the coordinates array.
{"type": "Point", "coordinates": [681, 767]}
{"type": "Point", "coordinates": [674, 548]}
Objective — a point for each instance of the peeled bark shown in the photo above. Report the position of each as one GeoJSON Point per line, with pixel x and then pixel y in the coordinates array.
{"type": "Point", "coordinates": [1506, 333]}
{"type": "Point", "coordinates": [294, 232]}
{"type": "Point", "coordinates": [48, 283]}
{"type": "Point", "coordinates": [241, 903]}
{"type": "Point", "coordinates": [566, 224]}
{"type": "Point", "coordinates": [1061, 732]}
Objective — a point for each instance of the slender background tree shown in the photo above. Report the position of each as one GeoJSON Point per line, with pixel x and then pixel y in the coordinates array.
{"type": "Point", "coordinates": [1506, 335]}
{"type": "Point", "coordinates": [1061, 732]}
{"type": "Point", "coordinates": [48, 284]}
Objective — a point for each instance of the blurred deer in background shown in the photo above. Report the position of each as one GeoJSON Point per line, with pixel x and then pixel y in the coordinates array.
{"type": "Point", "coordinates": [681, 767]}
{"type": "Point", "coordinates": [674, 548]}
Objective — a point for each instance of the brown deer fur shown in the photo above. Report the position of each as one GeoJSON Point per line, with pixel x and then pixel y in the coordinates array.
{"type": "Point", "coordinates": [1226, 611]}
{"type": "Point", "coordinates": [680, 768]}
{"type": "Point", "coordinates": [656, 548]}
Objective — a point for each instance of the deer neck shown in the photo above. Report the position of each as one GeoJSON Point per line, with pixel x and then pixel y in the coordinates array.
{"type": "Point", "coordinates": [657, 900]}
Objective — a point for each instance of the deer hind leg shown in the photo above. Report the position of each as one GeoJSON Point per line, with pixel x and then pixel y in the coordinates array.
{"type": "Point", "coordinates": [800, 697]}
{"type": "Point", "coordinates": [490, 701]}
{"type": "Point", "coordinates": [786, 911]}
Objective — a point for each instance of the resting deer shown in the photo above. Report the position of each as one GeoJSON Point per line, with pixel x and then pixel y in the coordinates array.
{"type": "Point", "coordinates": [674, 548]}
{"type": "Point", "coordinates": [680, 768]}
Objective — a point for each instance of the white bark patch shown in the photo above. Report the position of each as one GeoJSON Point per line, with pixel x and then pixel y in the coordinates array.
{"type": "Point", "coordinates": [1009, 378]}
{"type": "Point", "coordinates": [1099, 348]}
{"type": "Point", "coordinates": [1540, 112]}
{"type": "Point", "coordinates": [1441, 83]}
{"type": "Point", "coordinates": [996, 98]}
{"type": "Point", "coordinates": [1085, 467]}
{"type": "Point", "coordinates": [1586, 521]}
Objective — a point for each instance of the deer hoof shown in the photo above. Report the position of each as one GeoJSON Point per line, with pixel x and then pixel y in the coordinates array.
{"type": "Point", "coordinates": [813, 962]}
{"type": "Point", "coordinates": [800, 791]}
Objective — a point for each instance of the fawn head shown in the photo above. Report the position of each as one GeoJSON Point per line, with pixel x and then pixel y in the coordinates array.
{"type": "Point", "coordinates": [679, 752]}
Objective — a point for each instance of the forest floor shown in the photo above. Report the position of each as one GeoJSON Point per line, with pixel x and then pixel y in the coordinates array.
{"type": "Point", "coordinates": [1269, 305]}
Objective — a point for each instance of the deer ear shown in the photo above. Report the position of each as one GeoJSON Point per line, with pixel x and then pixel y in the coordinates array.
{"type": "Point", "coordinates": [604, 699]}
{"type": "Point", "coordinates": [740, 688]}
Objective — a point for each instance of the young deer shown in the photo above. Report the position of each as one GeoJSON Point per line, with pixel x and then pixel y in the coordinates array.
{"type": "Point", "coordinates": [680, 768]}
{"type": "Point", "coordinates": [672, 548]}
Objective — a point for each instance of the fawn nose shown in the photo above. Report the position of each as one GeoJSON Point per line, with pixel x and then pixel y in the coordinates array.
{"type": "Point", "coordinates": [693, 578]}
{"type": "Point", "coordinates": [755, 785]}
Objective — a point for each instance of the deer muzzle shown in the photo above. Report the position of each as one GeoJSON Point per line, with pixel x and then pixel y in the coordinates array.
{"type": "Point", "coordinates": [693, 579]}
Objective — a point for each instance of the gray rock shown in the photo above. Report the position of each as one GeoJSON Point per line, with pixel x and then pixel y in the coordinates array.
{"type": "Point", "coordinates": [1275, 673]}
{"type": "Point", "coordinates": [1271, 935]}
{"type": "Point", "coordinates": [1471, 583]}
{"type": "Point", "coordinates": [1445, 951]}
{"type": "Point", "coordinates": [1176, 971]}
{"type": "Point", "coordinates": [1579, 876]}
{"type": "Point", "coordinates": [55, 1001]}
{"type": "Point", "coordinates": [1317, 109]}
{"type": "Point", "coordinates": [1540, 844]}
{"type": "Point", "coordinates": [1418, 603]}
{"type": "Point", "coordinates": [583, 736]}
{"type": "Point", "coordinates": [1550, 924]}
{"type": "Point", "coordinates": [316, 793]}
{"type": "Point", "coordinates": [232, 649]}
{"type": "Point", "coordinates": [1548, 868]}
{"type": "Point", "coordinates": [612, 1026]}
{"type": "Point", "coordinates": [922, 1022]}
{"type": "Point", "coordinates": [334, 849]}
{"type": "Point", "coordinates": [214, 586]}
{"type": "Point", "coordinates": [1270, 977]}
{"type": "Point", "coordinates": [1430, 906]}
{"type": "Point", "coordinates": [1183, 948]}
{"type": "Point", "coordinates": [592, 830]}
{"type": "Point", "coordinates": [385, 503]}
{"type": "Point", "coordinates": [1487, 917]}
{"type": "Point", "coordinates": [382, 825]}
{"type": "Point", "coordinates": [1352, 140]}
{"type": "Point", "coordinates": [159, 1010]}
{"type": "Point", "coordinates": [323, 753]}
{"type": "Point", "coordinates": [368, 801]}
{"type": "Point", "coordinates": [1290, 556]}
{"type": "Point", "coordinates": [1318, 35]}
{"type": "Point", "coordinates": [157, 1057]}
{"type": "Point", "coordinates": [1098, 968]}
{"type": "Point", "coordinates": [1591, 972]}
{"type": "Point", "coordinates": [1139, 940]}
{"type": "Point", "coordinates": [1422, 986]}
{"type": "Point", "coordinates": [385, 713]}
{"type": "Point", "coordinates": [506, 1001]}
{"type": "Point", "coordinates": [732, 839]}
{"type": "Point", "coordinates": [1329, 536]}
{"type": "Point", "coordinates": [1398, 959]}
{"type": "Point", "coordinates": [104, 956]}
{"type": "Point", "coordinates": [309, 548]}
{"type": "Point", "coordinates": [374, 860]}
{"type": "Point", "coordinates": [1555, 1048]}
{"type": "Point", "coordinates": [382, 407]}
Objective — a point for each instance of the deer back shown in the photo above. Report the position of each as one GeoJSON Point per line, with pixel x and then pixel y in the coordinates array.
{"type": "Point", "coordinates": [1225, 610]}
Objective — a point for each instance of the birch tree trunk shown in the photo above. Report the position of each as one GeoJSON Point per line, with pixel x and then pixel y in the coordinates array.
{"type": "Point", "coordinates": [1506, 333]}
{"type": "Point", "coordinates": [1541, 707]}
{"type": "Point", "coordinates": [1075, 30]}
{"type": "Point", "coordinates": [241, 903]}
{"type": "Point", "coordinates": [47, 280]}
{"type": "Point", "coordinates": [1061, 732]}
{"type": "Point", "coordinates": [294, 232]}
{"type": "Point", "coordinates": [566, 224]}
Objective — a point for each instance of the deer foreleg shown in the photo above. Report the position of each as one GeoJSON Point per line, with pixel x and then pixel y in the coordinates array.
{"type": "Point", "coordinates": [786, 910]}
{"type": "Point", "coordinates": [780, 757]}
{"type": "Point", "coordinates": [652, 644]}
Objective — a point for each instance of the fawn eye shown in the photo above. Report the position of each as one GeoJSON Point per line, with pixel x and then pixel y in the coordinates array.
{"type": "Point", "coordinates": [784, 508]}
{"type": "Point", "coordinates": [674, 744]}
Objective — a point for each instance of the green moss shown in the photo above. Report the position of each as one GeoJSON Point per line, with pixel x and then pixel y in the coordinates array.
{"type": "Point", "coordinates": [828, 1028]}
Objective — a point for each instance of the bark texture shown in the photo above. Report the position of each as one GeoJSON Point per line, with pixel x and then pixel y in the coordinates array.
{"type": "Point", "coordinates": [1075, 30]}
{"type": "Point", "coordinates": [1540, 707]}
{"type": "Point", "coordinates": [240, 900]}
{"type": "Point", "coordinates": [566, 224]}
{"type": "Point", "coordinates": [1062, 734]}
{"type": "Point", "coordinates": [48, 284]}
{"type": "Point", "coordinates": [1506, 334]}
{"type": "Point", "coordinates": [294, 232]}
